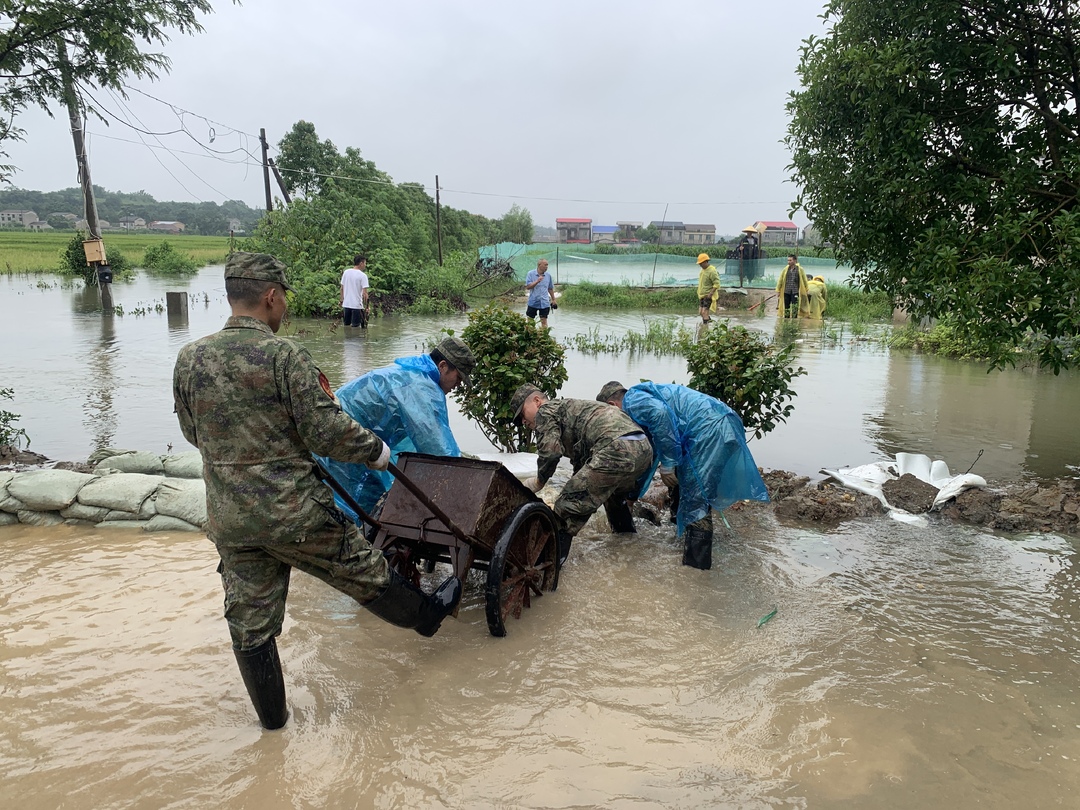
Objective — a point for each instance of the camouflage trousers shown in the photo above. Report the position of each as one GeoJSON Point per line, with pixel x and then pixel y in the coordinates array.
{"type": "Point", "coordinates": [611, 473]}
{"type": "Point", "coordinates": [256, 578]}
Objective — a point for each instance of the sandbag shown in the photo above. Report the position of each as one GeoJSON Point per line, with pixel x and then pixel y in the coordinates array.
{"type": "Point", "coordinates": [9, 503]}
{"type": "Point", "coordinates": [40, 518]}
{"type": "Point", "coordinates": [8, 519]}
{"type": "Point", "coordinates": [80, 511]}
{"type": "Point", "coordinates": [146, 512]}
{"type": "Point", "coordinates": [183, 465]}
{"type": "Point", "coordinates": [134, 461]}
{"type": "Point", "coordinates": [123, 524]}
{"type": "Point", "coordinates": [48, 490]}
{"type": "Point", "coordinates": [164, 523]}
{"type": "Point", "coordinates": [182, 498]}
{"type": "Point", "coordinates": [77, 522]}
{"type": "Point", "coordinates": [122, 491]}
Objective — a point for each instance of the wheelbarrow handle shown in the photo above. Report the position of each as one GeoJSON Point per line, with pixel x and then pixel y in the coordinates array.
{"type": "Point", "coordinates": [422, 496]}
{"type": "Point", "coordinates": [324, 475]}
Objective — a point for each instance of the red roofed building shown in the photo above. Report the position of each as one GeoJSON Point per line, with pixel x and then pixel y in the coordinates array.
{"type": "Point", "coordinates": [777, 232]}
{"type": "Point", "coordinates": [574, 230]}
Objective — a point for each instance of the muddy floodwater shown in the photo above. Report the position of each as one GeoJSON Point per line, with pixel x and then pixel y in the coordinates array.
{"type": "Point", "coordinates": [904, 667]}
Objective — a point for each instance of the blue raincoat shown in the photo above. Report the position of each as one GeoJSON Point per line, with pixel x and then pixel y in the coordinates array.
{"type": "Point", "coordinates": [704, 440]}
{"type": "Point", "coordinates": [404, 406]}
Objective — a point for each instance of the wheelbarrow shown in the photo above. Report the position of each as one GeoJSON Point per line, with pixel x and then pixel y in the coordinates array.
{"type": "Point", "coordinates": [471, 514]}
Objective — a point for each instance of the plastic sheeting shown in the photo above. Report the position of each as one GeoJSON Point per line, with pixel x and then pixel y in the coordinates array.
{"type": "Point", "coordinates": [704, 440]}
{"type": "Point", "coordinates": [868, 479]}
{"type": "Point", "coordinates": [405, 407]}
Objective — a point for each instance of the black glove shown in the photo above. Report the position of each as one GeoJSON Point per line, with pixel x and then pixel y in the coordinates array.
{"type": "Point", "coordinates": [554, 305]}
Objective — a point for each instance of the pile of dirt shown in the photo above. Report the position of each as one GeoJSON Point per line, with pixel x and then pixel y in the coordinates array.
{"type": "Point", "coordinates": [827, 503]}
{"type": "Point", "coordinates": [910, 494]}
{"type": "Point", "coordinates": [1021, 508]}
{"type": "Point", "coordinates": [12, 457]}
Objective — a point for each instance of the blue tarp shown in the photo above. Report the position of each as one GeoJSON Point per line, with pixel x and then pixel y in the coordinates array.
{"type": "Point", "coordinates": [405, 407]}
{"type": "Point", "coordinates": [704, 440]}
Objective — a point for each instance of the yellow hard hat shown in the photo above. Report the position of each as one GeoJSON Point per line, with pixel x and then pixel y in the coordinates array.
{"type": "Point", "coordinates": [820, 278]}
{"type": "Point", "coordinates": [702, 257]}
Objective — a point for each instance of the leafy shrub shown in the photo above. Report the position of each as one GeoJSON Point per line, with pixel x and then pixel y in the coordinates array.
{"type": "Point", "coordinates": [9, 434]}
{"type": "Point", "coordinates": [510, 350]}
{"type": "Point", "coordinates": [73, 262]}
{"type": "Point", "coordinates": [742, 369]}
{"type": "Point", "coordinates": [164, 258]}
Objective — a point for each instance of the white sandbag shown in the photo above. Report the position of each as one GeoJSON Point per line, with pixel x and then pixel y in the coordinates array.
{"type": "Point", "coordinates": [77, 522]}
{"type": "Point", "coordinates": [105, 452]}
{"type": "Point", "coordinates": [520, 465]}
{"type": "Point", "coordinates": [48, 490]}
{"type": "Point", "coordinates": [164, 523]}
{"type": "Point", "coordinates": [9, 503]}
{"type": "Point", "coordinates": [8, 519]}
{"type": "Point", "coordinates": [123, 491]}
{"type": "Point", "coordinates": [134, 461]}
{"type": "Point", "coordinates": [123, 524]}
{"type": "Point", "coordinates": [80, 511]}
{"type": "Point", "coordinates": [182, 498]}
{"type": "Point", "coordinates": [183, 465]}
{"type": "Point", "coordinates": [40, 518]}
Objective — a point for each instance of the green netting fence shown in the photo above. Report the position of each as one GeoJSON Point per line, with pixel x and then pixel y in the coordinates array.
{"type": "Point", "coordinates": [572, 264]}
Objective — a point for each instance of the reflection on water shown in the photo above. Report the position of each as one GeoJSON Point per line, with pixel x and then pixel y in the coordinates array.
{"type": "Point", "coordinates": [82, 381]}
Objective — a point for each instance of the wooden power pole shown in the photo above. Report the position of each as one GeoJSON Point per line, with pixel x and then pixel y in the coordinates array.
{"type": "Point", "coordinates": [94, 246]}
{"type": "Point", "coordinates": [438, 220]}
{"type": "Point", "coordinates": [266, 169]}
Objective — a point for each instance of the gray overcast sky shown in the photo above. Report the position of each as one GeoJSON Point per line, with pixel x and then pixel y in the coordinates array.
{"type": "Point", "coordinates": [560, 106]}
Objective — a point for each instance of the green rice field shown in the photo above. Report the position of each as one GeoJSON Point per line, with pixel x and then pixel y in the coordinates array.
{"type": "Point", "coordinates": [30, 252]}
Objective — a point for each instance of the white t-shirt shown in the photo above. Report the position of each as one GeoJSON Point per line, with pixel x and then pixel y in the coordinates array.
{"type": "Point", "coordinates": [354, 282]}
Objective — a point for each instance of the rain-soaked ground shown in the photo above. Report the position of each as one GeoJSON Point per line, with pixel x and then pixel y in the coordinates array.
{"type": "Point", "coordinates": [904, 667]}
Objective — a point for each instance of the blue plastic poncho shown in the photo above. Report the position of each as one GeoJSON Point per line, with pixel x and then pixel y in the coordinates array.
{"type": "Point", "coordinates": [704, 440]}
{"type": "Point", "coordinates": [405, 407]}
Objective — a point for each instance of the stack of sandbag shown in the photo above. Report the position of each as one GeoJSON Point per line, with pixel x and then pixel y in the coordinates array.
{"type": "Point", "coordinates": [127, 489]}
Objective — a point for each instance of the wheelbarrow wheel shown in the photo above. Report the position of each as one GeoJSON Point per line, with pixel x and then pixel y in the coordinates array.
{"type": "Point", "coordinates": [523, 565]}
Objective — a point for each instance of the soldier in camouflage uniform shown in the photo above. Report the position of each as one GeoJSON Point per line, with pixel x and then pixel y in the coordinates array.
{"type": "Point", "coordinates": [257, 407]}
{"type": "Point", "coordinates": [609, 454]}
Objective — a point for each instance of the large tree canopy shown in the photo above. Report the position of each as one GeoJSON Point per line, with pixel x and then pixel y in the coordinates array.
{"type": "Point", "coordinates": [937, 143]}
{"type": "Point", "coordinates": [104, 42]}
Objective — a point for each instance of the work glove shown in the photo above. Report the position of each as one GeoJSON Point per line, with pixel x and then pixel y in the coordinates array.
{"type": "Point", "coordinates": [554, 305]}
{"type": "Point", "coordinates": [667, 475]}
{"type": "Point", "coordinates": [533, 484]}
{"type": "Point", "coordinates": [383, 461]}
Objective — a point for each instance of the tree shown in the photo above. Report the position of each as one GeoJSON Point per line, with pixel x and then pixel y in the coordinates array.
{"type": "Point", "coordinates": [305, 161]}
{"type": "Point", "coordinates": [103, 40]}
{"type": "Point", "coordinates": [937, 143]}
{"type": "Point", "coordinates": [516, 225]}
{"type": "Point", "coordinates": [649, 234]}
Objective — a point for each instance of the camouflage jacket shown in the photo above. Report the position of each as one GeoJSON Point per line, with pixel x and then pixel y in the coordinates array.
{"type": "Point", "coordinates": [257, 407]}
{"type": "Point", "coordinates": [576, 428]}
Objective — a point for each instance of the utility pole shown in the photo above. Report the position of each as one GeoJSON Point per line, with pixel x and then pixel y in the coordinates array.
{"type": "Point", "coordinates": [266, 169]}
{"type": "Point", "coordinates": [438, 220]}
{"type": "Point", "coordinates": [280, 181]}
{"type": "Point", "coordinates": [94, 247]}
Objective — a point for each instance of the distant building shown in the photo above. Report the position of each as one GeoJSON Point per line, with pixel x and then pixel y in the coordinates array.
{"type": "Point", "coordinates": [670, 232]}
{"type": "Point", "coordinates": [778, 232]}
{"type": "Point", "coordinates": [39, 225]}
{"type": "Point", "coordinates": [608, 234]}
{"type": "Point", "coordinates": [166, 226]}
{"type": "Point", "coordinates": [13, 217]}
{"type": "Point", "coordinates": [812, 236]}
{"type": "Point", "coordinates": [699, 234]}
{"type": "Point", "coordinates": [628, 231]}
{"type": "Point", "coordinates": [234, 224]}
{"type": "Point", "coordinates": [103, 224]}
{"type": "Point", "coordinates": [574, 230]}
{"type": "Point", "coordinates": [132, 223]}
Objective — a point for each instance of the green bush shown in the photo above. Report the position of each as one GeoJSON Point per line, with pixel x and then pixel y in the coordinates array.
{"type": "Point", "coordinates": [73, 262]}
{"type": "Point", "coordinates": [164, 258]}
{"type": "Point", "coordinates": [510, 350]}
{"type": "Point", "coordinates": [742, 369]}
{"type": "Point", "coordinates": [9, 434]}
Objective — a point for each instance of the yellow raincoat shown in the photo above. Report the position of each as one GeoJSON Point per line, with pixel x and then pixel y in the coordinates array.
{"type": "Point", "coordinates": [816, 292]}
{"type": "Point", "coordinates": [708, 285]}
{"type": "Point", "coordinates": [804, 304]}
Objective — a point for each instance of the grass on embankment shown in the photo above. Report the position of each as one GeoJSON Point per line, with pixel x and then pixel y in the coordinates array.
{"type": "Point", "coordinates": [30, 252]}
{"type": "Point", "coordinates": [618, 296]}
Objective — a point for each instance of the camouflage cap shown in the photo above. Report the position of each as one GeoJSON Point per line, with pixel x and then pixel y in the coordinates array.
{"type": "Point", "coordinates": [610, 391]}
{"type": "Point", "coordinates": [517, 402]}
{"type": "Point", "coordinates": [258, 266]}
{"type": "Point", "coordinates": [458, 355]}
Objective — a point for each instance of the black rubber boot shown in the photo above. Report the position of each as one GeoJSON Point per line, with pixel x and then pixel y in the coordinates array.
{"type": "Point", "coordinates": [405, 605]}
{"type": "Point", "coordinates": [565, 539]}
{"type": "Point", "coordinates": [619, 517]}
{"type": "Point", "coordinates": [674, 503]}
{"type": "Point", "coordinates": [261, 670]}
{"type": "Point", "coordinates": [697, 553]}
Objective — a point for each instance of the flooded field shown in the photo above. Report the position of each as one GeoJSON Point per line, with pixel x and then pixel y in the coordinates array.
{"type": "Point", "coordinates": [904, 667]}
